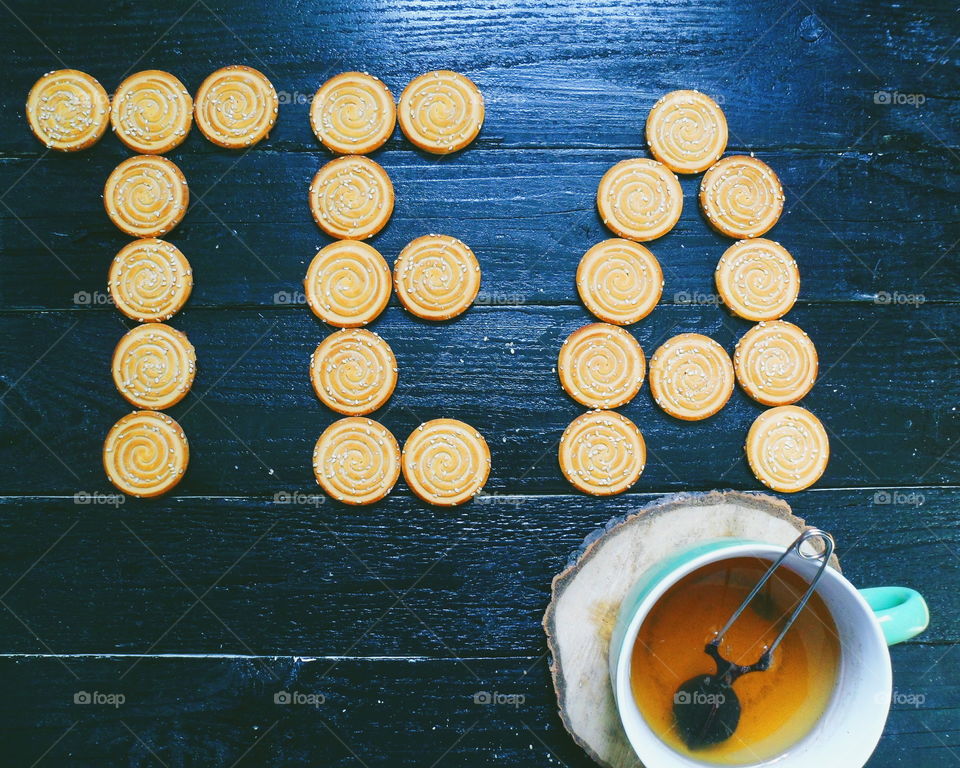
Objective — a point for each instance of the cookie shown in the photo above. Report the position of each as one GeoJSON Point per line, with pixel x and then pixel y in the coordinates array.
{"type": "Point", "coordinates": [441, 112]}
{"type": "Point", "coordinates": [741, 197]}
{"type": "Point", "coordinates": [776, 363]}
{"type": "Point", "coordinates": [619, 281]}
{"type": "Point", "coordinates": [437, 277]}
{"type": "Point", "coordinates": [146, 196]}
{"type": "Point", "coordinates": [236, 107]}
{"type": "Point", "coordinates": [154, 366]}
{"type": "Point", "coordinates": [639, 199]}
{"type": "Point", "coordinates": [353, 371]}
{"type": "Point", "coordinates": [758, 279]}
{"type": "Point", "coordinates": [686, 131]}
{"type": "Point", "coordinates": [602, 453]}
{"type": "Point", "coordinates": [145, 454]}
{"type": "Point", "coordinates": [356, 461]}
{"type": "Point", "coordinates": [150, 280]}
{"type": "Point", "coordinates": [68, 110]}
{"type": "Point", "coordinates": [601, 366]}
{"type": "Point", "coordinates": [152, 112]}
{"type": "Point", "coordinates": [691, 376]}
{"type": "Point", "coordinates": [787, 448]}
{"type": "Point", "coordinates": [351, 198]}
{"type": "Point", "coordinates": [353, 113]}
{"type": "Point", "coordinates": [348, 284]}
{"type": "Point", "coordinates": [445, 462]}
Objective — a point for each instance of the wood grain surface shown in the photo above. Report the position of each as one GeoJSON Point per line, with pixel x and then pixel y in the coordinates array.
{"type": "Point", "coordinates": [200, 607]}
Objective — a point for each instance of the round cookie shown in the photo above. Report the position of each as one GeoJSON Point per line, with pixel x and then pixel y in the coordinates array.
{"type": "Point", "coordinates": [601, 366]}
{"type": "Point", "coordinates": [150, 280]}
{"type": "Point", "coordinates": [436, 277]}
{"type": "Point", "coordinates": [639, 199]}
{"type": "Point", "coordinates": [691, 376]}
{"type": "Point", "coordinates": [353, 371]}
{"type": "Point", "coordinates": [153, 366]}
{"type": "Point", "coordinates": [741, 196]}
{"type": "Point", "coordinates": [351, 198]}
{"type": "Point", "coordinates": [787, 448]}
{"type": "Point", "coordinates": [619, 281]}
{"type": "Point", "coordinates": [146, 196]}
{"type": "Point", "coordinates": [445, 462]}
{"type": "Point", "coordinates": [776, 363]}
{"type": "Point", "coordinates": [356, 461]}
{"type": "Point", "coordinates": [686, 131]}
{"type": "Point", "coordinates": [758, 279]}
{"type": "Point", "coordinates": [353, 113]}
{"type": "Point", "coordinates": [602, 453]}
{"type": "Point", "coordinates": [145, 453]}
{"type": "Point", "coordinates": [441, 112]}
{"type": "Point", "coordinates": [68, 110]}
{"type": "Point", "coordinates": [152, 112]}
{"type": "Point", "coordinates": [236, 107]}
{"type": "Point", "coordinates": [348, 284]}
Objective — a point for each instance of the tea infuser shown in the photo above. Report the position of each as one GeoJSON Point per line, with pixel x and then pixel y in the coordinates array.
{"type": "Point", "coordinates": [705, 708]}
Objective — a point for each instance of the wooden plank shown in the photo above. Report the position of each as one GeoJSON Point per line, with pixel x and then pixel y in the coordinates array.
{"type": "Point", "coordinates": [252, 417]}
{"type": "Point", "coordinates": [202, 711]}
{"type": "Point", "coordinates": [554, 74]}
{"type": "Point", "coordinates": [529, 216]}
{"type": "Point", "coordinates": [396, 579]}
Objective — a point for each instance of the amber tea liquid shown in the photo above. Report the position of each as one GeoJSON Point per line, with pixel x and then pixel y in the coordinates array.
{"type": "Point", "coordinates": [779, 706]}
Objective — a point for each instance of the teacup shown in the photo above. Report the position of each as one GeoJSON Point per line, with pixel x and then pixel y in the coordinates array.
{"type": "Point", "coordinates": [867, 621]}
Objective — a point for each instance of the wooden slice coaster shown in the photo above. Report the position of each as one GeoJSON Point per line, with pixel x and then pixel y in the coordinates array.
{"type": "Point", "coordinates": [586, 598]}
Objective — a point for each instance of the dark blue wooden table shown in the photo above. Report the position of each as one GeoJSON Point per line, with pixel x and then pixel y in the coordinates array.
{"type": "Point", "coordinates": [184, 619]}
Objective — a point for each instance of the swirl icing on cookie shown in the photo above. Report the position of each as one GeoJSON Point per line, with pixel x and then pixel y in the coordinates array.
{"type": "Point", "coordinates": [236, 107]}
{"type": "Point", "coordinates": [788, 448]}
{"type": "Point", "coordinates": [353, 113]}
{"type": "Point", "coordinates": [686, 131]}
{"type": "Point", "coordinates": [351, 198]}
{"type": "Point", "coordinates": [741, 196]}
{"type": "Point", "coordinates": [145, 453]}
{"type": "Point", "coordinates": [776, 363]}
{"type": "Point", "coordinates": [154, 366]}
{"type": "Point", "coordinates": [353, 371]}
{"type": "Point", "coordinates": [152, 112]}
{"type": "Point", "coordinates": [68, 110]}
{"type": "Point", "coordinates": [619, 281]}
{"type": "Point", "coordinates": [146, 196]}
{"type": "Point", "coordinates": [348, 284]}
{"type": "Point", "coordinates": [758, 279]}
{"type": "Point", "coordinates": [602, 453]}
{"type": "Point", "coordinates": [639, 199]}
{"type": "Point", "coordinates": [601, 366]}
{"type": "Point", "coordinates": [445, 462]}
{"type": "Point", "coordinates": [150, 280]}
{"type": "Point", "coordinates": [356, 461]}
{"type": "Point", "coordinates": [437, 277]}
{"type": "Point", "coordinates": [441, 111]}
{"type": "Point", "coordinates": [691, 376]}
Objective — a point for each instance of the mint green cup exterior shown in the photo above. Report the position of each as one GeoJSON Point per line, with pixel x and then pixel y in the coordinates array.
{"type": "Point", "coordinates": [867, 622]}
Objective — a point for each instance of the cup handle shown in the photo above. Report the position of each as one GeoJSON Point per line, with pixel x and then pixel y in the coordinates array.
{"type": "Point", "coordinates": [901, 612]}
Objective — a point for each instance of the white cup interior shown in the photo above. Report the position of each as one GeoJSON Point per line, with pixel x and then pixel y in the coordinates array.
{"type": "Point", "coordinates": [847, 733]}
